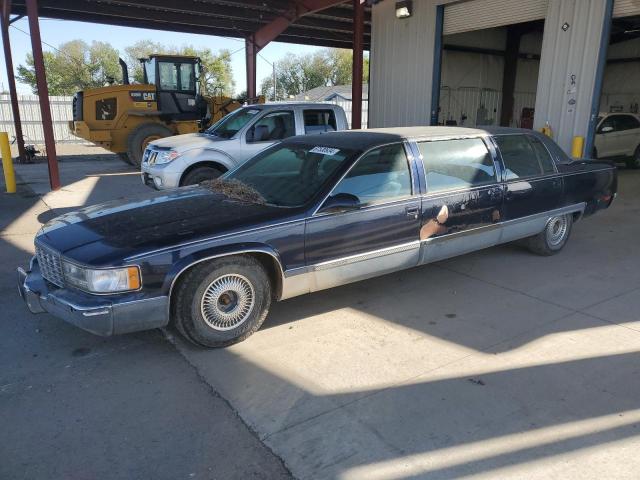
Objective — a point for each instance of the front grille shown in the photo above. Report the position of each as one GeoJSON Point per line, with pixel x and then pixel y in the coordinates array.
{"type": "Point", "coordinates": [50, 265]}
{"type": "Point", "coordinates": [149, 156]}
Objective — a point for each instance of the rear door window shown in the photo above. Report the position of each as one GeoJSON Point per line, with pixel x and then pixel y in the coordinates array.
{"type": "Point", "coordinates": [543, 155]}
{"type": "Point", "coordinates": [457, 164]}
{"type": "Point", "coordinates": [273, 126]}
{"type": "Point", "coordinates": [626, 122]}
{"type": "Point", "coordinates": [319, 121]}
{"type": "Point", "coordinates": [519, 157]}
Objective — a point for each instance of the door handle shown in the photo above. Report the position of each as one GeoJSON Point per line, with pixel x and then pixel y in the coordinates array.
{"type": "Point", "coordinates": [412, 212]}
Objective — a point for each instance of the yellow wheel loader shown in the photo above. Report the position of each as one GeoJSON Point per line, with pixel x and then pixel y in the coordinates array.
{"type": "Point", "coordinates": [125, 118]}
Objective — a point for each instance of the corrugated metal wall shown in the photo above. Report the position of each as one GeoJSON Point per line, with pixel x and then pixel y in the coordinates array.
{"type": "Point", "coordinates": [626, 8]}
{"type": "Point", "coordinates": [401, 65]}
{"type": "Point", "coordinates": [480, 14]}
{"type": "Point", "coordinates": [61, 113]}
{"type": "Point", "coordinates": [568, 67]}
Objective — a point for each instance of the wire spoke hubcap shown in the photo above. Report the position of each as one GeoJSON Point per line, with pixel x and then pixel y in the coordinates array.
{"type": "Point", "coordinates": [557, 230]}
{"type": "Point", "coordinates": [227, 302]}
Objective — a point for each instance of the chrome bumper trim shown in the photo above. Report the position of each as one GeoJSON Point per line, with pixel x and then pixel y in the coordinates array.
{"type": "Point", "coordinates": [96, 314]}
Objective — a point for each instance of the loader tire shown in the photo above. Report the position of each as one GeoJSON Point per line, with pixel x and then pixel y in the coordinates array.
{"type": "Point", "coordinates": [140, 137]}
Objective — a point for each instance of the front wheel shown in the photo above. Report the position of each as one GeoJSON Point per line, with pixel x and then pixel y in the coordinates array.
{"type": "Point", "coordinates": [222, 302]}
{"type": "Point", "coordinates": [199, 175]}
{"type": "Point", "coordinates": [554, 236]}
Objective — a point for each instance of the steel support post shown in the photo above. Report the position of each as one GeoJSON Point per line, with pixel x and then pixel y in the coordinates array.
{"type": "Point", "coordinates": [356, 78]}
{"type": "Point", "coordinates": [43, 93]}
{"type": "Point", "coordinates": [5, 11]}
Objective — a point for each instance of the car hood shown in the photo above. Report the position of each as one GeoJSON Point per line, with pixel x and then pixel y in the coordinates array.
{"type": "Point", "coordinates": [108, 233]}
{"type": "Point", "coordinates": [189, 141]}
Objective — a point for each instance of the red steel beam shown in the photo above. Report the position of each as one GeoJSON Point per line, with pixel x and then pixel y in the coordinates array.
{"type": "Point", "coordinates": [356, 73]}
{"type": "Point", "coordinates": [5, 11]}
{"type": "Point", "coordinates": [43, 93]}
{"type": "Point", "coordinates": [269, 32]}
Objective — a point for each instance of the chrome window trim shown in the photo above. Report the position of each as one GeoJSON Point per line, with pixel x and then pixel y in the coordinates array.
{"type": "Point", "coordinates": [410, 158]}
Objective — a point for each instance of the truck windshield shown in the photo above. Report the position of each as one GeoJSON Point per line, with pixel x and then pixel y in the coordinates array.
{"type": "Point", "coordinates": [290, 175]}
{"type": "Point", "coordinates": [228, 126]}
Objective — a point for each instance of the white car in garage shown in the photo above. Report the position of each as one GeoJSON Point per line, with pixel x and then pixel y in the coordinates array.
{"type": "Point", "coordinates": [618, 137]}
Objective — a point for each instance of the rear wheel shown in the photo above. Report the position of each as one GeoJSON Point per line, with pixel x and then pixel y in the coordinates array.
{"type": "Point", "coordinates": [200, 174]}
{"type": "Point", "coordinates": [141, 136]}
{"type": "Point", "coordinates": [553, 238]}
{"type": "Point", "coordinates": [634, 162]}
{"type": "Point", "coordinates": [222, 302]}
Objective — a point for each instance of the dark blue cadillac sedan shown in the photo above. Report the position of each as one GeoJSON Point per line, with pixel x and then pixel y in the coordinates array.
{"type": "Point", "coordinates": [311, 213]}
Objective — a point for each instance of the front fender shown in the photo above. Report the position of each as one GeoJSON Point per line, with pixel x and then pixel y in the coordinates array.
{"type": "Point", "coordinates": [195, 258]}
{"type": "Point", "coordinates": [196, 155]}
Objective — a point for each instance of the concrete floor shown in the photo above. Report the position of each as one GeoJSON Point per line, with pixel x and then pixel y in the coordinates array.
{"type": "Point", "coordinates": [497, 364]}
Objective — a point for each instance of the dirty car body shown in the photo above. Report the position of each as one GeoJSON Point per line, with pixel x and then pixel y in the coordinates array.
{"type": "Point", "coordinates": [338, 207]}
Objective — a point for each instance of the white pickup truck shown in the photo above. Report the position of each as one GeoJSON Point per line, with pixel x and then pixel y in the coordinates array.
{"type": "Point", "coordinates": [192, 158]}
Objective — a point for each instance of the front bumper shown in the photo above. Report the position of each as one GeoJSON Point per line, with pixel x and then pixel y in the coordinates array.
{"type": "Point", "coordinates": [159, 177]}
{"type": "Point", "coordinates": [98, 314]}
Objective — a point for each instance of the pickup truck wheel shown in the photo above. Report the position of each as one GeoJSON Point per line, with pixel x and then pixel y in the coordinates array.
{"type": "Point", "coordinates": [141, 136]}
{"type": "Point", "coordinates": [554, 237]}
{"type": "Point", "coordinates": [222, 302]}
{"type": "Point", "coordinates": [634, 162]}
{"type": "Point", "coordinates": [199, 175]}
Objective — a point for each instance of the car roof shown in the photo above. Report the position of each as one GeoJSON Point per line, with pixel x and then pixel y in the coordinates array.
{"type": "Point", "coordinates": [365, 139]}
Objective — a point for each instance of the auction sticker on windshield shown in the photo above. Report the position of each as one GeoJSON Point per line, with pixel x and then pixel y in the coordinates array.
{"type": "Point", "coordinates": [324, 150]}
{"type": "Point", "coordinates": [253, 112]}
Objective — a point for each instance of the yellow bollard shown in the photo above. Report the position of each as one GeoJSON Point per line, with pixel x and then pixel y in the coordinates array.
{"type": "Point", "coordinates": [577, 147]}
{"type": "Point", "coordinates": [7, 163]}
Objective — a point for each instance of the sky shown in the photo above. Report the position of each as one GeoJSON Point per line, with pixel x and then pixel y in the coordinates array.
{"type": "Point", "coordinates": [56, 32]}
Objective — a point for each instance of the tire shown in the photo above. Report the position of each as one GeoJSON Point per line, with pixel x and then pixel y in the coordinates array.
{"type": "Point", "coordinates": [200, 174]}
{"type": "Point", "coordinates": [125, 158]}
{"type": "Point", "coordinates": [140, 137]}
{"type": "Point", "coordinates": [237, 283]}
{"type": "Point", "coordinates": [634, 162]}
{"type": "Point", "coordinates": [554, 236]}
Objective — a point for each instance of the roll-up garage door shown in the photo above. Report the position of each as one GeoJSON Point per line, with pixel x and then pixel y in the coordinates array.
{"type": "Point", "coordinates": [626, 8]}
{"type": "Point", "coordinates": [479, 14]}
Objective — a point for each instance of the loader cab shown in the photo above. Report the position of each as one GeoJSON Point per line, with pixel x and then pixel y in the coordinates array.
{"type": "Point", "coordinates": [176, 79]}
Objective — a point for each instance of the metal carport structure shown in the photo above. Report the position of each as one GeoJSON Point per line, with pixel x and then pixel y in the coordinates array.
{"type": "Point", "coordinates": [326, 23]}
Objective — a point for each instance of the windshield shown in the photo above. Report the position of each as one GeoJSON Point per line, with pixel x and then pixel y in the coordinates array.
{"type": "Point", "coordinates": [228, 126]}
{"type": "Point", "coordinates": [291, 175]}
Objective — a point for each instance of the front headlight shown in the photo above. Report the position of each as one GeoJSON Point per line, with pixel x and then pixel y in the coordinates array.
{"type": "Point", "coordinates": [166, 157]}
{"type": "Point", "coordinates": [102, 280]}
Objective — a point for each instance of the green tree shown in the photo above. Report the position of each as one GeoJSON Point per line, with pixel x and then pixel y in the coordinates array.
{"type": "Point", "coordinates": [74, 66]}
{"type": "Point", "coordinates": [298, 73]}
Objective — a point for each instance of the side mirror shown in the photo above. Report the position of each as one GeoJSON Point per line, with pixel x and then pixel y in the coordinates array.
{"type": "Point", "coordinates": [606, 129]}
{"type": "Point", "coordinates": [340, 202]}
